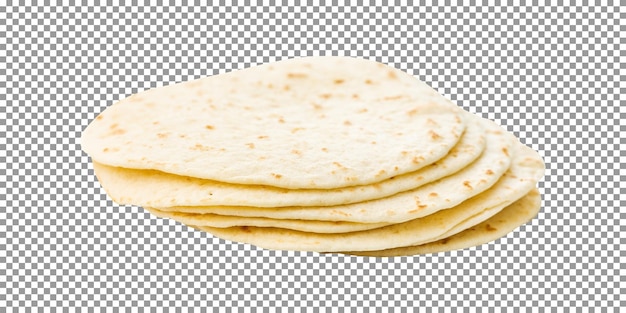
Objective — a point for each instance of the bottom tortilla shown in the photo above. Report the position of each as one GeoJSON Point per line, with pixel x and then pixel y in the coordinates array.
{"type": "Point", "coordinates": [461, 237]}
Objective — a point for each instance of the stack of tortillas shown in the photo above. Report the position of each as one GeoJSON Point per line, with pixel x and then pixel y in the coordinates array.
{"type": "Point", "coordinates": [326, 154]}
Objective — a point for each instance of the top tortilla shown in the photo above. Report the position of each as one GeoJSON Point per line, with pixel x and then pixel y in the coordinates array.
{"type": "Point", "coordinates": [130, 186]}
{"type": "Point", "coordinates": [316, 123]}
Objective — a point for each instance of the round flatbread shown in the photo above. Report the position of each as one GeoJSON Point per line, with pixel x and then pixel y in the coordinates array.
{"type": "Point", "coordinates": [132, 186]}
{"type": "Point", "coordinates": [224, 221]}
{"type": "Point", "coordinates": [312, 123]}
{"type": "Point", "coordinates": [527, 168]}
{"type": "Point", "coordinates": [497, 226]}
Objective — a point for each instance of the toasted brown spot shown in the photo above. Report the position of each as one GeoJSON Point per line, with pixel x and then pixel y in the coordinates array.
{"type": "Point", "coordinates": [340, 213]}
{"type": "Point", "coordinates": [488, 227]}
{"type": "Point", "coordinates": [489, 172]}
{"type": "Point", "coordinates": [118, 132]}
{"type": "Point", "coordinates": [245, 229]}
{"type": "Point", "coordinates": [418, 159]}
{"type": "Point", "coordinates": [506, 152]}
{"type": "Point", "coordinates": [317, 106]}
{"type": "Point", "coordinates": [200, 147]}
{"type": "Point", "coordinates": [363, 110]}
{"type": "Point", "coordinates": [182, 135]}
{"type": "Point", "coordinates": [296, 75]}
{"type": "Point", "coordinates": [298, 152]}
{"type": "Point", "coordinates": [262, 137]}
{"type": "Point", "coordinates": [412, 112]}
{"type": "Point", "coordinates": [325, 95]}
{"type": "Point", "coordinates": [297, 129]}
{"type": "Point", "coordinates": [404, 153]}
{"type": "Point", "coordinates": [393, 97]}
{"type": "Point", "coordinates": [337, 164]}
{"type": "Point", "coordinates": [390, 213]}
{"type": "Point", "coordinates": [368, 81]}
{"type": "Point", "coordinates": [395, 168]}
{"type": "Point", "coordinates": [447, 200]}
{"type": "Point", "coordinates": [434, 135]}
{"type": "Point", "coordinates": [482, 181]}
{"type": "Point", "coordinates": [467, 184]}
{"type": "Point", "coordinates": [286, 87]}
{"type": "Point", "coordinates": [281, 120]}
{"type": "Point", "coordinates": [250, 145]}
{"type": "Point", "coordinates": [497, 132]}
{"type": "Point", "coordinates": [444, 241]}
{"type": "Point", "coordinates": [324, 149]}
{"type": "Point", "coordinates": [373, 142]}
{"type": "Point", "coordinates": [105, 150]}
{"type": "Point", "coordinates": [338, 81]}
{"type": "Point", "coordinates": [277, 176]}
{"type": "Point", "coordinates": [350, 178]}
{"type": "Point", "coordinates": [422, 206]}
{"type": "Point", "coordinates": [355, 96]}
{"type": "Point", "coordinates": [155, 123]}
{"type": "Point", "coordinates": [380, 173]}
{"type": "Point", "coordinates": [99, 117]}
{"type": "Point", "coordinates": [430, 121]}
{"type": "Point", "coordinates": [413, 211]}
{"type": "Point", "coordinates": [392, 75]}
{"type": "Point", "coordinates": [162, 135]}
{"type": "Point", "coordinates": [270, 86]}
{"type": "Point", "coordinates": [114, 125]}
{"type": "Point", "coordinates": [433, 194]}
{"type": "Point", "coordinates": [347, 123]}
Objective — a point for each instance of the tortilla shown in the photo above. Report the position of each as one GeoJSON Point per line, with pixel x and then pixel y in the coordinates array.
{"type": "Point", "coordinates": [491, 229]}
{"type": "Point", "coordinates": [307, 123]}
{"type": "Point", "coordinates": [527, 168]}
{"type": "Point", "coordinates": [224, 221]}
{"type": "Point", "coordinates": [131, 186]}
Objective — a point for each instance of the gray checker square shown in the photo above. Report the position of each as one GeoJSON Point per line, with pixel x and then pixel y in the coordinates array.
{"type": "Point", "coordinates": [553, 75]}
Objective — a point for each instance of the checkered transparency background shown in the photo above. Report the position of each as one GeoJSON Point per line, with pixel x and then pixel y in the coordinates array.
{"type": "Point", "coordinates": [552, 75]}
